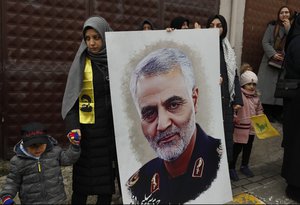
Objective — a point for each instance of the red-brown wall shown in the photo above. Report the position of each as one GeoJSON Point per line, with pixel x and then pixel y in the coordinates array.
{"type": "Point", "coordinates": [39, 39]}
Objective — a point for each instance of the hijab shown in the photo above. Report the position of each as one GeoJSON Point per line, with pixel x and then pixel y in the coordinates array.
{"type": "Point", "coordinates": [223, 22]}
{"type": "Point", "coordinates": [229, 54]}
{"type": "Point", "coordinates": [146, 21]}
{"type": "Point", "coordinates": [75, 76]}
{"type": "Point", "coordinates": [178, 22]}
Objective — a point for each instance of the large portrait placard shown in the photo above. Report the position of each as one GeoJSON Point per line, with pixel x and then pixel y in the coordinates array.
{"type": "Point", "coordinates": [145, 176]}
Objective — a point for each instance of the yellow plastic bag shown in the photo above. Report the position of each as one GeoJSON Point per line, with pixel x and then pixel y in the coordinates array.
{"type": "Point", "coordinates": [263, 128]}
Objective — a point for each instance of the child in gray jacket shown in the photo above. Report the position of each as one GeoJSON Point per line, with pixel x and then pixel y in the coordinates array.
{"type": "Point", "coordinates": [35, 171]}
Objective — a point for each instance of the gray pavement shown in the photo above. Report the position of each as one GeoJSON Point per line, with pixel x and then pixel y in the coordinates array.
{"type": "Point", "coordinates": [267, 185]}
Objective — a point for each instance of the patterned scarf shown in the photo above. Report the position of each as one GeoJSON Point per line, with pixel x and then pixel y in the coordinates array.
{"type": "Point", "coordinates": [229, 56]}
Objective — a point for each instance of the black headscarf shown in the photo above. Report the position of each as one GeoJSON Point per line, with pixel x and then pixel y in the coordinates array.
{"type": "Point", "coordinates": [227, 55]}
{"type": "Point", "coordinates": [294, 30]}
{"type": "Point", "coordinates": [178, 22]}
{"type": "Point", "coordinates": [75, 76]}
{"type": "Point", "coordinates": [146, 21]}
{"type": "Point", "coordinates": [223, 22]}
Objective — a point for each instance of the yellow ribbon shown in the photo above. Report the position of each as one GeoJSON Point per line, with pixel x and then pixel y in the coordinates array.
{"type": "Point", "coordinates": [86, 98]}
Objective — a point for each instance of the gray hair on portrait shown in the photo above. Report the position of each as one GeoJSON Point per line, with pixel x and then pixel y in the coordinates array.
{"type": "Point", "coordinates": [163, 61]}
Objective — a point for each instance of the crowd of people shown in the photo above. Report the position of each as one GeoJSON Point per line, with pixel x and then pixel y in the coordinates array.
{"type": "Point", "coordinates": [87, 111]}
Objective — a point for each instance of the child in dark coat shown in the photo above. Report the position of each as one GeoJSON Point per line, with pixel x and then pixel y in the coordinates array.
{"type": "Point", "coordinates": [35, 171]}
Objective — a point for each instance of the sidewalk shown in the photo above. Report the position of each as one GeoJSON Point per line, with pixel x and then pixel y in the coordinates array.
{"type": "Point", "coordinates": [267, 186]}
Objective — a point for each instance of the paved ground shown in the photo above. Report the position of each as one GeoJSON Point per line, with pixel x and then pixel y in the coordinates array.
{"type": "Point", "coordinates": [67, 174]}
{"type": "Point", "coordinates": [266, 187]}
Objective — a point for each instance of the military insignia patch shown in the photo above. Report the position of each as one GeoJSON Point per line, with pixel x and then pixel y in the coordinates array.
{"type": "Point", "coordinates": [220, 150]}
{"type": "Point", "coordinates": [198, 167]}
{"type": "Point", "coordinates": [155, 183]}
{"type": "Point", "coordinates": [133, 179]}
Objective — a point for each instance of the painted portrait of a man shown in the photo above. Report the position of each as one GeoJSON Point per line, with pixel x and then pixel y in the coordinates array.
{"type": "Point", "coordinates": [187, 158]}
{"type": "Point", "coordinates": [167, 117]}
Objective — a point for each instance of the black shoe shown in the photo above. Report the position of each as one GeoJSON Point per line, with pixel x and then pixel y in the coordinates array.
{"type": "Point", "coordinates": [233, 175]}
{"type": "Point", "coordinates": [246, 171]}
{"type": "Point", "coordinates": [293, 193]}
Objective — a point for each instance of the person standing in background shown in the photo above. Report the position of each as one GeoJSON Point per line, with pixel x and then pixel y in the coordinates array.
{"type": "Point", "coordinates": [180, 23]}
{"type": "Point", "coordinates": [291, 113]}
{"type": "Point", "coordinates": [273, 44]}
{"type": "Point", "coordinates": [86, 109]}
{"type": "Point", "coordinates": [230, 86]}
{"type": "Point", "coordinates": [146, 25]}
{"type": "Point", "coordinates": [197, 25]}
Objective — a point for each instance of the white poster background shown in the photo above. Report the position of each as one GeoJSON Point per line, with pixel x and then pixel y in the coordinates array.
{"type": "Point", "coordinates": [125, 50]}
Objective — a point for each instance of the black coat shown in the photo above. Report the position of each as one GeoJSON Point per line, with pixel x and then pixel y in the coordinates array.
{"type": "Point", "coordinates": [227, 105]}
{"type": "Point", "coordinates": [94, 174]}
{"type": "Point", "coordinates": [291, 113]}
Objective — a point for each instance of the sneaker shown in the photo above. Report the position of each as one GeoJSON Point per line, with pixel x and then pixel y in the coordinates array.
{"type": "Point", "coordinates": [246, 171]}
{"type": "Point", "coordinates": [233, 175]}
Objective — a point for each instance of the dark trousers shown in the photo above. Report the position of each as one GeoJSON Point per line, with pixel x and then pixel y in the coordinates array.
{"type": "Point", "coordinates": [81, 199]}
{"type": "Point", "coordinates": [237, 148]}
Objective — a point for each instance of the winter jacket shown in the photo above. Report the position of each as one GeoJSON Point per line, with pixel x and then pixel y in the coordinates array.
{"type": "Point", "coordinates": [93, 173]}
{"type": "Point", "coordinates": [39, 181]}
{"type": "Point", "coordinates": [266, 74]}
{"type": "Point", "coordinates": [242, 127]}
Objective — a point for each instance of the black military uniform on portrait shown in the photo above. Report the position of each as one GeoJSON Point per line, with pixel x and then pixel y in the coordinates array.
{"type": "Point", "coordinates": [153, 184]}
